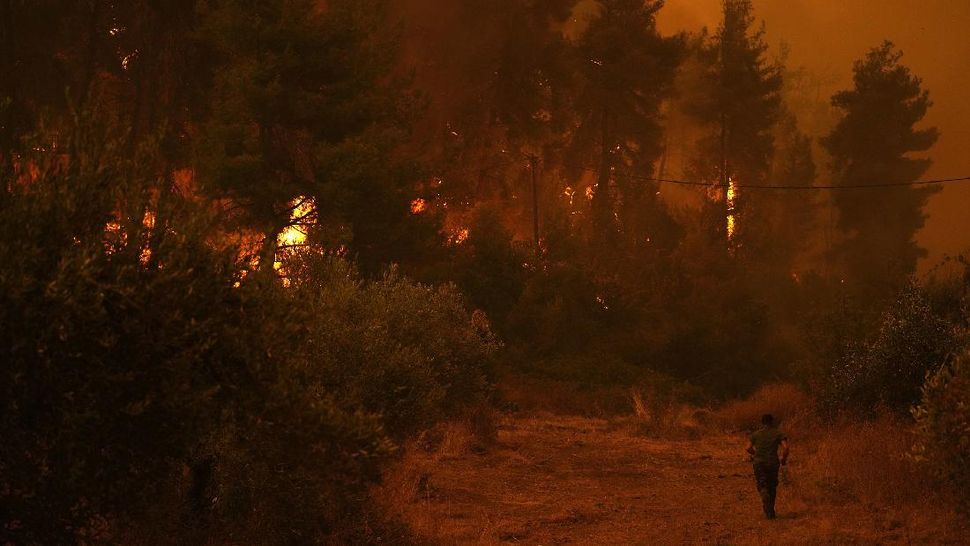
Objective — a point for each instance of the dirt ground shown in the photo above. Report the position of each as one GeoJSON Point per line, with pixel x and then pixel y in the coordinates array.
{"type": "Point", "coordinates": [568, 480]}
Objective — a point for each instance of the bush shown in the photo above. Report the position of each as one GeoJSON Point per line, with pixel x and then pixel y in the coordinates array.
{"type": "Point", "coordinates": [395, 348]}
{"type": "Point", "coordinates": [888, 369]}
{"type": "Point", "coordinates": [110, 338]}
{"type": "Point", "coordinates": [860, 460]}
{"type": "Point", "coordinates": [943, 425]}
{"type": "Point", "coordinates": [151, 389]}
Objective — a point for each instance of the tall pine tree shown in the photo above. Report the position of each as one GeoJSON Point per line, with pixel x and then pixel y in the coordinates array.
{"type": "Point", "coordinates": [304, 107]}
{"type": "Point", "coordinates": [739, 105]}
{"type": "Point", "coordinates": [625, 71]}
{"type": "Point", "coordinates": [871, 145]}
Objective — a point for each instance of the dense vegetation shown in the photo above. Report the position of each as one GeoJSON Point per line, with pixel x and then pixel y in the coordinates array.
{"type": "Point", "coordinates": [248, 249]}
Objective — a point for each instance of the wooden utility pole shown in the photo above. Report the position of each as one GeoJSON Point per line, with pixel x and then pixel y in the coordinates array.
{"type": "Point", "coordinates": [535, 202]}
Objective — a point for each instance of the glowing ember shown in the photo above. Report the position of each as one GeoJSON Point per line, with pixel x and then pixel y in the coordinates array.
{"type": "Point", "coordinates": [732, 196]}
{"type": "Point", "coordinates": [458, 236]}
{"type": "Point", "coordinates": [589, 193]}
{"type": "Point", "coordinates": [418, 206]}
{"type": "Point", "coordinates": [569, 192]}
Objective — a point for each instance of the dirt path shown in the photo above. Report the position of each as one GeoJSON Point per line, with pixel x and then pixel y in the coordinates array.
{"type": "Point", "coordinates": [560, 480]}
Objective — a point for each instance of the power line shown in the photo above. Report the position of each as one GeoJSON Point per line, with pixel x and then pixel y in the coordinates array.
{"type": "Point", "coordinates": [696, 183]}
{"type": "Point", "coordinates": [792, 187]}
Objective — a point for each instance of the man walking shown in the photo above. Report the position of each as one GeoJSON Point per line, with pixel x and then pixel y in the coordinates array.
{"type": "Point", "coordinates": [763, 447]}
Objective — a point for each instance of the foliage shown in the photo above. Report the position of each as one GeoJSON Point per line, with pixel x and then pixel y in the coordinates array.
{"type": "Point", "coordinates": [943, 425]}
{"type": "Point", "coordinates": [872, 144]}
{"type": "Point", "coordinates": [624, 69]}
{"type": "Point", "coordinates": [888, 368]}
{"type": "Point", "coordinates": [489, 266]}
{"type": "Point", "coordinates": [308, 109]}
{"type": "Point", "coordinates": [143, 368]}
{"type": "Point", "coordinates": [111, 336]}
{"type": "Point", "coordinates": [404, 351]}
{"type": "Point", "coordinates": [740, 101]}
{"type": "Point", "coordinates": [786, 402]}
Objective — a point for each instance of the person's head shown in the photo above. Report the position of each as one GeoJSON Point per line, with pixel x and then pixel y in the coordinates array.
{"type": "Point", "coordinates": [768, 420]}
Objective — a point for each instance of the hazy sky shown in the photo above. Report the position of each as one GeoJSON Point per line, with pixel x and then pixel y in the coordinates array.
{"type": "Point", "coordinates": [826, 36]}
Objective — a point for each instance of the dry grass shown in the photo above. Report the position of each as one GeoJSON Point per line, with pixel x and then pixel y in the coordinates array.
{"type": "Point", "coordinates": [667, 473]}
{"type": "Point", "coordinates": [864, 461]}
{"type": "Point", "coordinates": [657, 417]}
{"type": "Point", "coordinates": [789, 404]}
{"type": "Point", "coordinates": [408, 485]}
{"type": "Point", "coordinates": [553, 479]}
{"type": "Point", "coordinates": [854, 462]}
{"type": "Point", "coordinates": [532, 395]}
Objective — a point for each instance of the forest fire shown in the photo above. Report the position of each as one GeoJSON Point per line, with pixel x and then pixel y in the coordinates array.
{"type": "Point", "coordinates": [281, 272]}
{"type": "Point", "coordinates": [302, 217]}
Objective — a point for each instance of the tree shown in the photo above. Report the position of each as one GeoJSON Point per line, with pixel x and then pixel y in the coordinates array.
{"type": "Point", "coordinates": [787, 217]}
{"type": "Point", "coordinates": [740, 104]}
{"type": "Point", "coordinates": [625, 70]}
{"type": "Point", "coordinates": [304, 110]}
{"type": "Point", "coordinates": [869, 146]}
{"type": "Point", "coordinates": [495, 77]}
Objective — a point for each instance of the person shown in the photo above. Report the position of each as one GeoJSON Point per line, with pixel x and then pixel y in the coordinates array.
{"type": "Point", "coordinates": [763, 448]}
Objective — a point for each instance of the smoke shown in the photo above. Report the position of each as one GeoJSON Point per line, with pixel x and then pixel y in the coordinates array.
{"type": "Point", "coordinates": [826, 36]}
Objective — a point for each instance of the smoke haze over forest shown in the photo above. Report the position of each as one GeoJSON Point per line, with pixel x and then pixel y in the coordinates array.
{"type": "Point", "coordinates": [411, 272]}
{"type": "Point", "coordinates": [826, 37]}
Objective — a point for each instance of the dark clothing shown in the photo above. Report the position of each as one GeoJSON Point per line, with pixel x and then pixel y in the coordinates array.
{"type": "Point", "coordinates": [766, 476]}
{"type": "Point", "coordinates": [766, 442]}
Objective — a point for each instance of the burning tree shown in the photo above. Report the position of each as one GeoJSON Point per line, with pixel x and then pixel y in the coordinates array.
{"type": "Point", "coordinates": [739, 102]}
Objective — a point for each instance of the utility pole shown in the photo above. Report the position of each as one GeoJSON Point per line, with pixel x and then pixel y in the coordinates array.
{"type": "Point", "coordinates": [535, 203]}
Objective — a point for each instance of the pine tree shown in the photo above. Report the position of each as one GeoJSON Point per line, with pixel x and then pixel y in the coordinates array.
{"type": "Point", "coordinates": [788, 215]}
{"type": "Point", "coordinates": [305, 109]}
{"type": "Point", "coordinates": [625, 71]}
{"type": "Point", "coordinates": [871, 146]}
{"type": "Point", "coordinates": [740, 105]}
{"type": "Point", "coordinates": [495, 76]}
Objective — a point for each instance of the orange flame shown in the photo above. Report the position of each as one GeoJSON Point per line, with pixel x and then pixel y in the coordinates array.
{"type": "Point", "coordinates": [732, 220]}
{"type": "Point", "coordinates": [458, 236]}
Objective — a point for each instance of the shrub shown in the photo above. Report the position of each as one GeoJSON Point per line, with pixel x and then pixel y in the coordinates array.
{"type": "Point", "coordinates": [861, 460]}
{"type": "Point", "coordinates": [110, 338]}
{"type": "Point", "coordinates": [407, 352]}
{"type": "Point", "coordinates": [943, 425]}
{"type": "Point", "coordinates": [149, 388]}
{"type": "Point", "coordinates": [888, 369]}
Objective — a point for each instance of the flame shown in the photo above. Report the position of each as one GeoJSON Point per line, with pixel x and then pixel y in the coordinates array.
{"type": "Point", "coordinates": [418, 206]}
{"type": "Point", "coordinates": [458, 236]}
{"type": "Point", "coordinates": [732, 196]}
{"type": "Point", "coordinates": [302, 215]}
{"type": "Point", "coordinates": [589, 193]}
{"type": "Point", "coordinates": [569, 192]}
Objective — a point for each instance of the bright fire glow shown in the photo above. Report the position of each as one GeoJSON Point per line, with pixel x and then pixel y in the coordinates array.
{"type": "Point", "coordinates": [418, 206]}
{"type": "Point", "coordinates": [458, 236]}
{"type": "Point", "coordinates": [732, 196]}
{"type": "Point", "coordinates": [569, 192]}
{"type": "Point", "coordinates": [295, 234]}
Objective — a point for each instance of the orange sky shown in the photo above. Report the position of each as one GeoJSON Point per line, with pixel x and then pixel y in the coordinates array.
{"type": "Point", "coordinates": [826, 36]}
